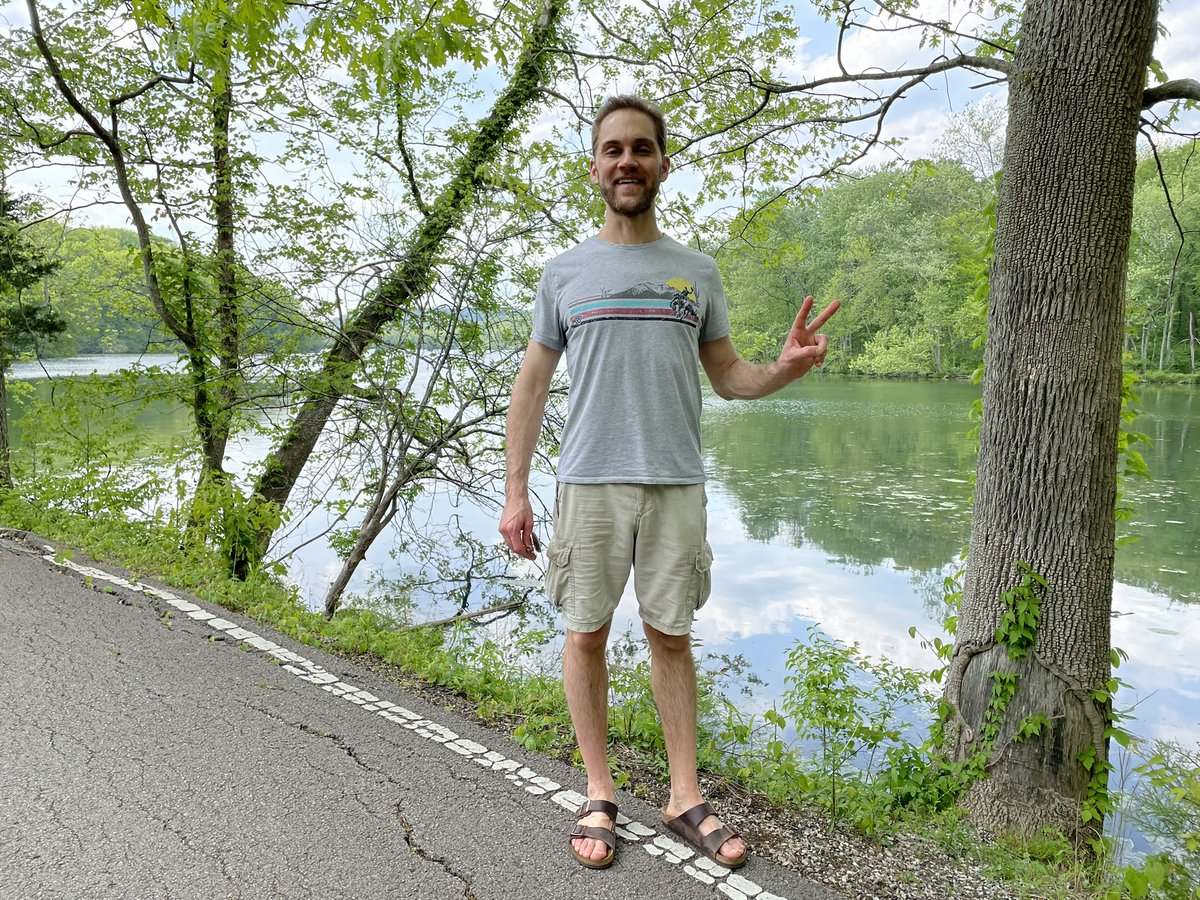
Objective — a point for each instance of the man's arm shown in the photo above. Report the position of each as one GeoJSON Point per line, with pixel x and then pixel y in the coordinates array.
{"type": "Point", "coordinates": [735, 379]}
{"type": "Point", "coordinates": [521, 430]}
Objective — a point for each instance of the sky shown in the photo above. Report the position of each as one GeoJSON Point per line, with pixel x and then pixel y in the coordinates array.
{"type": "Point", "coordinates": [920, 120]}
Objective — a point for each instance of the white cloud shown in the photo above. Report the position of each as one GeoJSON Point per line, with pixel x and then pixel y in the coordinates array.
{"type": "Point", "coordinates": [1179, 49]}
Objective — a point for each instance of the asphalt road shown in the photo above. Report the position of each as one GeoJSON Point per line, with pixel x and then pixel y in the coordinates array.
{"type": "Point", "coordinates": [153, 746]}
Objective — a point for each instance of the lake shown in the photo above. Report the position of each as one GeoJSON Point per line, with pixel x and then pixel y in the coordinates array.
{"type": "Point", "coordinates": [845, 502]}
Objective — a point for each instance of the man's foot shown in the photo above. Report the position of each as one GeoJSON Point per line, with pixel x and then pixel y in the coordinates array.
{"type": "Point", "coordinates": [594, 840]}
{"type": "Point", "coordinates": [700, 827]}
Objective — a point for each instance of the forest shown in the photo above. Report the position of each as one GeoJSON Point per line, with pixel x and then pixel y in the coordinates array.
{"type": "Point", "coordinates": [905, 311]}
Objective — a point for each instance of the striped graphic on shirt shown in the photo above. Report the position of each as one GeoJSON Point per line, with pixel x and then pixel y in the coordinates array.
{"type": "Point", "coordinates": [674, 301]}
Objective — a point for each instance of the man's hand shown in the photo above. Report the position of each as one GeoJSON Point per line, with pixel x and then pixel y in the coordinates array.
{"type": "Point", "coordinates": [516, 524]}
{"type": "Point", "coordinates": [804, 348]}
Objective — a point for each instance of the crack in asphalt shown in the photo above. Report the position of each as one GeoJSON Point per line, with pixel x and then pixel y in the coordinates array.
{"type": "Point", "coordinates": [410, 840]}
{"type": "Point", "coordinates": [405, 825]}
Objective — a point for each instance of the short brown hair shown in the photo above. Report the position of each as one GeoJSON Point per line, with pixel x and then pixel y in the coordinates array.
{"type": "Point", "coordinates": [631, 101]}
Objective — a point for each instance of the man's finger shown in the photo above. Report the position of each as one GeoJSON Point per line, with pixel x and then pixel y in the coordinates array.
{"type": "Point", "coordinates": [799, 329]}
{"type": "Point", "coordinates": [824, 315]}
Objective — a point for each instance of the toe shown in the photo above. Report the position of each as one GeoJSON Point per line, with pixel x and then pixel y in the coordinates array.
{"type": "Point", "coordinates": [734, 848]}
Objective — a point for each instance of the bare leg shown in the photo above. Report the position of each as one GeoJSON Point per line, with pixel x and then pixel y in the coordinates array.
{"type": "Point", "coordinates": [673, 675]}
{"type": "Point", "coordinates": [585, 682]}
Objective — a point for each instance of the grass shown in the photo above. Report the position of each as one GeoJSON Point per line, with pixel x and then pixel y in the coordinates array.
{"type": "Point", "coordinates": [529, 702]}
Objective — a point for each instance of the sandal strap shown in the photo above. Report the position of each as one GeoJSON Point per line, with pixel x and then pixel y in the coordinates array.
{"type": "Point", "coordinates": [696, 815]}
{"type": "Point", "coordinates": [714, 839]}
{"type": "Point", "coordinates": [598, 806]}
{"type": "Point", "coordinates": [594, 832]}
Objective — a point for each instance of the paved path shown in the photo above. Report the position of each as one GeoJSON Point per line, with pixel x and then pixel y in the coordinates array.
{"type": "Point", "coordinates": [152, 746]}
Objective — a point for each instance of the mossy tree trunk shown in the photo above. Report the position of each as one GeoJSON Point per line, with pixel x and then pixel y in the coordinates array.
{"type": "Point", "coordinates": [416, 272]}
{"type": "Point", "coordinates": [1047, 466]}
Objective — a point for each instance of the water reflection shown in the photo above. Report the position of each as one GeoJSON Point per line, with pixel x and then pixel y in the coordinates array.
{"type": "Point", "coordinates": [845, 503]}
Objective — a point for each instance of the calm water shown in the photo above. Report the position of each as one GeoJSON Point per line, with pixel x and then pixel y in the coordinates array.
{"type": "Point", "coordinates": [844, 503]}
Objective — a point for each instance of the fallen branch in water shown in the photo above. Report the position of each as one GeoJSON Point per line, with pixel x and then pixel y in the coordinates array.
{"type": "Point", "coordinates": [503, 607]}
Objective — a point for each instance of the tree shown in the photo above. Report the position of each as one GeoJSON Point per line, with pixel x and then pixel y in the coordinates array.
{"type": "Point", "coordinates": [23, 323]}
{"type": "Point", "coordinates": [416, 271]}
{"type": "Point", "coordinates": [1164, 275]}
{"type": "Point", "coordinates": [1033, 631]}
{"type": "Point", "coordinates": [188, 66]}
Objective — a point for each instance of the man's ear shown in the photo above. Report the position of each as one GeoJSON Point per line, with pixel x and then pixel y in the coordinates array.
{"type": "Point", "coordinates": [593, 174]}
{"type": "Point", "coordinates": [666, 167]}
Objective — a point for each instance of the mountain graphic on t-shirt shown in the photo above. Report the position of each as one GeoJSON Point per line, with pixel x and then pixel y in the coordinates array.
{"type": "Point", "coordinates": [647, 290]}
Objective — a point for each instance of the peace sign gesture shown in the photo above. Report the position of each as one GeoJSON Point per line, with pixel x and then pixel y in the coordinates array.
{"type": "Point", "coordinates": [804, 348]}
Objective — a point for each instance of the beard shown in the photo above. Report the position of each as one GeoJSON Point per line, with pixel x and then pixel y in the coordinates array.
{"type": "Point", "coordinates": [631, 207]}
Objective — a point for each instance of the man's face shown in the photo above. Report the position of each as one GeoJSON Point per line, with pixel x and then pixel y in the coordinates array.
{"type": "Point", "coordinates": [627, 165]}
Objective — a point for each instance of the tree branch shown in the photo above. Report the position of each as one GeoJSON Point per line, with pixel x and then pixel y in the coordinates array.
{"type": "Point", "coordinates": [1179, 89]}
{"type": "Point", "coordinates": [964, 61]}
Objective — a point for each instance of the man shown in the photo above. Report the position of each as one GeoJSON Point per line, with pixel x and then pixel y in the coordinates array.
{"type": "Point", "coordinates": [635, 312]}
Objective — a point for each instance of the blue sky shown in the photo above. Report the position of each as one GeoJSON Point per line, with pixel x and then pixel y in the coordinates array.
{"type": "Point", "coordinates": [920, 120]}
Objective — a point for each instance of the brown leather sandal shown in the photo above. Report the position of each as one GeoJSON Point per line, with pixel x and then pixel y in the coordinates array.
{"type": "Point", "coordinates": [596, 832]}
{"type": "Point", "coordinates": [687, 826]}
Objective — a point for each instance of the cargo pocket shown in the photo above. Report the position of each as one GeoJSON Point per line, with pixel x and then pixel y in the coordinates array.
{"type": "Point", "coordinates": [702, 579]}
{"type": "Point", "coordinates": [559, 583]}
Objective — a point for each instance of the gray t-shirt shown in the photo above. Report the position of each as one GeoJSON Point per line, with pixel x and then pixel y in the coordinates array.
{"type": "Point", "coordinates": [631, 318]}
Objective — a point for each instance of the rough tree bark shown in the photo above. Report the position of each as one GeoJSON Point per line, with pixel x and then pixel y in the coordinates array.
{"type": "Point", "coordinates": [228, 353]}
{"type": "Point", "coordinates": [1047, 466]}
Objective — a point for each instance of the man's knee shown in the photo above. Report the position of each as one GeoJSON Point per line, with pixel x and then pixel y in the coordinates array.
{"type": "Point", "coordinates": [587, 642]}
{"type": "Point", "coordinates": [661, 642]}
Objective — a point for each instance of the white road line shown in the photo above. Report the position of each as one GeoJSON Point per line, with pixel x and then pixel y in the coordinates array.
{"type": "Point", "coordinates": [664, 848]}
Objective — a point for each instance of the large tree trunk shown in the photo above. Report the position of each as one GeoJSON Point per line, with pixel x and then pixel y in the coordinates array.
{"type": "Point", "coordinates": [415, 274]}
{"type": "Point", "coordinates": [1047, 460]}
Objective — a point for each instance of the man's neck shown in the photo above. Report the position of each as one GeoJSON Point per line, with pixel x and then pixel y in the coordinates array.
{"type": "Point", "coordinates": [620, 229]}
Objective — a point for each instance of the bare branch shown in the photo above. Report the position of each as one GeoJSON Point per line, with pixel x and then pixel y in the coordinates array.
{"type": "Point", "coordinates": [114, 102]}
{"type": "Point", "coordinates": [964, 61]}
{"type": "Point", "coordinates": [1179, 89]}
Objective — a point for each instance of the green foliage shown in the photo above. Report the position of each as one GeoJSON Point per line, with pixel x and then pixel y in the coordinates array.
{"type": "Point", "coordinates": [1163, 294]}
{"type": "Point", "coordinates": [221, 515]}
{"type": "Point", "coordinates": [24, 322]}
{"type": "Point", "coordinates": [1160, 877]}
{"type": "Point", "coordinates": [1166, 809]}
{"type": "Point", "coordinates": [1130, 461]}
{"type": "Point", "coordinates": [1022, 612]}
{"type": "Point", "coordinates": [853, 707]}
{"type": "Point", "coordinates": [903, 313]}
{"type": "Point", "coordinates": [1030, 727]}
{"type": "Point", "coordinates": [90, 454]}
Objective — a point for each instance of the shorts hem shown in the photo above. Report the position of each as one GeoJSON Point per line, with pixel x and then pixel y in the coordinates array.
{"type": "Point", "coordinates": [672, 630]}
{"type": "Point", "coordinates": [586, 627]}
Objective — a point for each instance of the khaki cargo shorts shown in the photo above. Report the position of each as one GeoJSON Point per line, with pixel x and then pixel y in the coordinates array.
{"type": "Point", "coordinates": [603, 530]}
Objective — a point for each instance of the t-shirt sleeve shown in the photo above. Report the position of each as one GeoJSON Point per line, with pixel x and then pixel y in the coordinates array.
{"type": "Point", "coordinates": [547, 323]}
{"type": "Point", "coordinates": [716, 314]}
